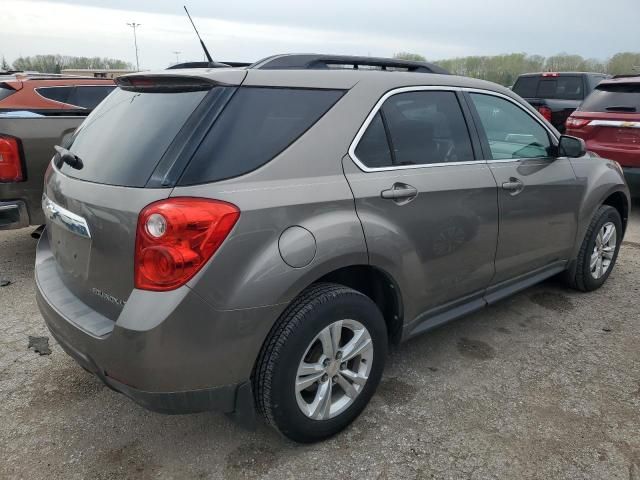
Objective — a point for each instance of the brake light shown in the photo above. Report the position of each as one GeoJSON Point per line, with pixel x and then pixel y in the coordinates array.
{"type": "Point", "coordinates": [10, 164]}
{"type": "Point", "coordinates": [550, 74]}
{"type": "Point", "coordinates": [545, 112]}
{"type": "Point", "coordinates": [573, 122]}
{"type": "Point", "coordinates": [176, 237]}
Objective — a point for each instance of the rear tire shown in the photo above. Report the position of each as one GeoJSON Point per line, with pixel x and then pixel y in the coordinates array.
{"type": "Point", "coordinates": [597, 258]}
{"type": "Point", "coordinates": [301, 349]}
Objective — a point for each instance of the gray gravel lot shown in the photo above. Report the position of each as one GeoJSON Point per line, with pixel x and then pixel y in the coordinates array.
{"type": "Point", "coordinates": [544, 385]}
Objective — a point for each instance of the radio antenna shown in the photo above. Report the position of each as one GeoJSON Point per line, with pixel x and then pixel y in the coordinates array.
{"type": "Point", "coordinates": [204, 47]}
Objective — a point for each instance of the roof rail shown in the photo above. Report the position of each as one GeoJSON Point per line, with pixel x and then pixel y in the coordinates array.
{"type": "Point", "coordinates": [627, 75]}
{"type": "Point", "coordinates": [312, 61]}
{"type": "Point", "coordinates": [208, 65]}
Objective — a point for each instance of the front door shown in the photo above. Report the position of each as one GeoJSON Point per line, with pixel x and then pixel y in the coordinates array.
{"type": "Point", "coordinates": [538, 194]}
{"type": "Point", "coordinates": [427, 206]}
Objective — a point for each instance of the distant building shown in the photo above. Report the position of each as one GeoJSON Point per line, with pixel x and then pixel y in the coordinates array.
{"type": "Point", "coordinates": [96, 72]}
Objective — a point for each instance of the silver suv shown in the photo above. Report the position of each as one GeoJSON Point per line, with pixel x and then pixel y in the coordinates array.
{"type": "Point", "coordinates": [255, 239]}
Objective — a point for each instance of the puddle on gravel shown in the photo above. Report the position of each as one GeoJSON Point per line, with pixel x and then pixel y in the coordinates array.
{"type": "Point", "coordinates": [395, 391]}
{"type": "Point", "coordinates": [251, 460]}
{"type": "Point", "coordinates": [475, 349]}
{"type": "Point", "coordinates": [552, 301]}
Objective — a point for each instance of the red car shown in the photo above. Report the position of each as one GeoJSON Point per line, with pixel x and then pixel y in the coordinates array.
{"type": "Point", "coordinates": [609, 122]}
{"type": "Point", "coordinates": [52, 95]}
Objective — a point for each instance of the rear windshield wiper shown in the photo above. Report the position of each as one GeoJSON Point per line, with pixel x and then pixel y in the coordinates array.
{"type": "Point", "coordinates": [620, 108]}
{"type": "Point", "coordinates": [65, 156]}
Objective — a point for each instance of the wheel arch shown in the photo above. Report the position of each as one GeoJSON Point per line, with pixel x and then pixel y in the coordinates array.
{"type": "Point", "coordinates": [620, 202]}
{"type": "Point", "coordinates": [379, 286]}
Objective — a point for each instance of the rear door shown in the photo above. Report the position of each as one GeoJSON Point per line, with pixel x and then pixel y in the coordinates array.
{"type": "Point", "coordinates": [539, 195]}
{"type": "Point", "coordinates": [427, 206]}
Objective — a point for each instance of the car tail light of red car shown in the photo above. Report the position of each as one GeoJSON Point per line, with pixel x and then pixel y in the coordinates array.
{"type": "Point", "coordinates": [545, 112]}
{"type": "Point", "coordinates": [10, 161]}
{"type": "Point", "coordinates": [176, 237]}
{"type": "Point", "coordinates": [574, 122]}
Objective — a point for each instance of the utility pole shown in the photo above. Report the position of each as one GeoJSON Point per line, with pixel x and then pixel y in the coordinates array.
{"type": "Point", "coordinates": [177, 54]}
{"type": "Point", "coordinates": [135, 25]}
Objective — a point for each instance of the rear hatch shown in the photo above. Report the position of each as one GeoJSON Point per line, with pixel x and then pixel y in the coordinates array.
{"type": "Point", "coordinates": [92, 207]}
{"type": "Point", "coordinates": [609, 121]}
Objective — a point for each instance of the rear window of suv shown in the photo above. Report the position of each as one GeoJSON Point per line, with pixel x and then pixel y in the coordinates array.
{"type": "Point", "coordinates": [618, 97]}
{"type": "Point", "coordinates": [124, 138]}
{"type": "Point", "coordinates": [257, 124]}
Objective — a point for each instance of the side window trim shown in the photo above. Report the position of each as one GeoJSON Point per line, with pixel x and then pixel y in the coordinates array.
{"type": "Point", "coordinates": [378, 108]}
{"type": "Point", "coordinates": [553, 138]}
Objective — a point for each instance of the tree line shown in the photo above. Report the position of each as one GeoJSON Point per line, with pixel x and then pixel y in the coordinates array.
{"type": "Point", "coordinates": [56, 63]}
{"type": "Point", "coordinates": [504, 69]}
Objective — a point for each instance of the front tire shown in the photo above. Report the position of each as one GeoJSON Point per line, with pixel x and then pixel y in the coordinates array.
{"type": "Point", "coordinates": [599, 250]}
{"type": "Point", "coordinates": [321, 363]}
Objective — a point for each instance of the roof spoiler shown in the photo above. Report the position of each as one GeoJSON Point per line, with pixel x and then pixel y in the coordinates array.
{"type": "Point", "coordinates": [297, 61]}
{"type": "Point", "coordinates": [163, 83]}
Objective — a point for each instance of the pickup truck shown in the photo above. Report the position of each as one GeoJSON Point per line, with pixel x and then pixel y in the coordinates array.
{"type": "Point", "coordinates": [557, 94]}
{"type": "Point", "coordinates": [26, 148]}
{"type": "Point", "coordinates": [36, 113]}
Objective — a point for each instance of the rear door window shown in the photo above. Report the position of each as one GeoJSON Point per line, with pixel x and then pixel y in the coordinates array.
{"type": "Point", "coordinates": [89, 96]}
{"type": "Point", "coordinates": [257, 124]}
{"type": "Point", "coordinates": [373, 148]}
{"type": "Point", "coordinates": [427, 127]}
{"type": "Point", "coordinates": [57, 94]}
{"type": "Point", "coordinates": [526, 87]}
{"type": "Point", "coordinates": [619, 97]}
{"type": "Point", "coordinates": [5, 92]}
{"type": "Point", "coordinates": [124, 138]}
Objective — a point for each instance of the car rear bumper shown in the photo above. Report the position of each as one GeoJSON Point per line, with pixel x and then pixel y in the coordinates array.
{"type": "Point", "coordinates": [13, 214]}
{"type": "Point", "coordinates": [173, 354]}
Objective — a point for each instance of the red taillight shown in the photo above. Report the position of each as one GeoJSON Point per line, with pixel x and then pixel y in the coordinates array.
{"type": "Point", "coordinates": [10, 164]}
{"type": "Point", "coordinates": [550, 74]}
{"type": "Point", "coordinates": [176, 237]}
{"type": "Point", "coordinates": [574, 122]}
{"type": "Point", "coordinates": [545, 112]}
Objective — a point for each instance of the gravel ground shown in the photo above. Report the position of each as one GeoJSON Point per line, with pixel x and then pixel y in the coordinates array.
{"type": "Point", "coordinates": [544, 385]}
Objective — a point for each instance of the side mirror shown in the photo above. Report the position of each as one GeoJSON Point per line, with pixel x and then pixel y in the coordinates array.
{"type": "Point", "coordinates": [571, 147]}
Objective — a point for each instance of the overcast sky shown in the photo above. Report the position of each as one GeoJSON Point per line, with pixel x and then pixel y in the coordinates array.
{"type": "Point", "coordinates": [247, 30]}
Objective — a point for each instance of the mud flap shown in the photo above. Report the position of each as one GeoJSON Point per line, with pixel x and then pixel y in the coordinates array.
{"type": "Point", "coordinates": [245, 409]}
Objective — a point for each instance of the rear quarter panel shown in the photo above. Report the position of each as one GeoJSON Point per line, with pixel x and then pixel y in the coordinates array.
{"type": "Point", "coordinates": [37, 137]}
{"type": "Point", "coordinates": [303, 186]}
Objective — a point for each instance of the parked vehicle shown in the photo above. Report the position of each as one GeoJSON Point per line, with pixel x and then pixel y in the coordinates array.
{"type": "Point", "coordinates": [609, 123]}
{"type": "Point", "coordinates": [556, 94]}
{"type": "Point", "coordinates": [36, 113]}
{"type": "Point", "coordinates": [262, 235]}
{"type": "Point", "coordinates": [53, 94]}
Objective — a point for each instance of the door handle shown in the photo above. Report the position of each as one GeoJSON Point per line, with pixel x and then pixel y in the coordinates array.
{"type": "Point", "coordinates": [400, 193]}
{"type": "Point", "coordinates": [514, 186]}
